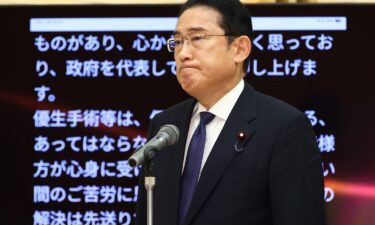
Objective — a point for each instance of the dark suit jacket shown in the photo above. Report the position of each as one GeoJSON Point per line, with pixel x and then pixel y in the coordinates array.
{"type": "Point", "coordinates": [276, 180]}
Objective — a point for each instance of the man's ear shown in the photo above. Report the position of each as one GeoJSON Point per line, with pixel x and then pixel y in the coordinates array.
{"type": "Point", "coordinates": [242, 48]}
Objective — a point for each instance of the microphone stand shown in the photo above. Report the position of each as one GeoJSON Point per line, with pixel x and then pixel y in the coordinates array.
{"type": "Point", "coordinates": [150, 182]}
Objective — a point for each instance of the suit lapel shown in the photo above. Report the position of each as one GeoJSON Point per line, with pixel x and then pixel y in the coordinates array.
{"type": "Point", "coordinates": [223, 151]}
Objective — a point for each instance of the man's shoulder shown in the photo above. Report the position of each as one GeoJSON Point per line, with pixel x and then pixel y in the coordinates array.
{"type": "Point", "coordinates": [269, 102]}
{"type": "Point", "coordinates": [175, 111]}
{"type": "Point", "coordinates": [276, 115]}
{"type": "Point", "coordinates": [269, 106]}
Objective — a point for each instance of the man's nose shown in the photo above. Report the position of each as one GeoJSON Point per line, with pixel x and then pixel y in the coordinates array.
{"type": "Point", "coordinates": [185, 53]}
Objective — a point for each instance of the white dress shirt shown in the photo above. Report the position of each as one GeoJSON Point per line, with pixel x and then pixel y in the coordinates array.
{"type": "Point", "coordinates": [221, 110]}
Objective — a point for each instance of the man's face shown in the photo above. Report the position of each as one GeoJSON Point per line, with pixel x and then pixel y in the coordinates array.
{"type": "Point", "coordinates": [208, 69]}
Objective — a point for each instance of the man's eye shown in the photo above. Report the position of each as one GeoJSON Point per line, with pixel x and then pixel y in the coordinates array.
{"type": "Point", "coordinates": [197, 38]}
{"type": "Point", "coordinates": [177, 42]}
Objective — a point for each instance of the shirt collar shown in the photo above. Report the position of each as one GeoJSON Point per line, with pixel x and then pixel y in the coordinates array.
{"type": "Point", "coordinates": [224, 106]}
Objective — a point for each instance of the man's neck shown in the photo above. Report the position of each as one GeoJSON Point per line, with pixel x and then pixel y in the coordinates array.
{"type": "Point", "coordinates": [210, 100]}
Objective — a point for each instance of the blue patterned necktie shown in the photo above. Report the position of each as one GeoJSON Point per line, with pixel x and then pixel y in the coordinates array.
{"type": "Point", "coordinates": [193, 164]}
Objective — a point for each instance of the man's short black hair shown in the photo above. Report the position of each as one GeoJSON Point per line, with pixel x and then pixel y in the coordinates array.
{"type": "Point", "coordinates": [235, 18]}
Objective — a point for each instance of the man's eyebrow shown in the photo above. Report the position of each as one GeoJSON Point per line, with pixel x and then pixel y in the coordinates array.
{"type": "Point", "coordinates": [191, 30]}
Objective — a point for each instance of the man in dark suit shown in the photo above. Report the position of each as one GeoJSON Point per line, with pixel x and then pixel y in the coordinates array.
{"type": "Point", "coordinates": [242, 157]}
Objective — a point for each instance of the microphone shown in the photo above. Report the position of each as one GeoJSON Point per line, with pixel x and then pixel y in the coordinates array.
{"type": "Point", "coordinates": [167, 135]}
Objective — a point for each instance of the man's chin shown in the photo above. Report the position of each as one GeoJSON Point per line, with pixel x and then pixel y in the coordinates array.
{"type": "Point", "coordinates": [189, 89]}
